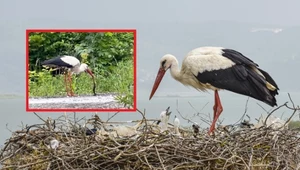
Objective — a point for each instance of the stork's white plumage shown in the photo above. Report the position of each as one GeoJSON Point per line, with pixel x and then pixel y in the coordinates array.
{"type": "Point", "coordinates": [121, 131]}
{"type": "Point", "coordinates": [176, 125]}
{"type": "Point", "coordinates": [72, 65]}
{"type": "Point", "coordinates": [54, 144]}
{"type": "Point", "coordinates": [164, 118]}
{"type": "Point", "coordinates": [127, 131]}
{"type": "Point", "coordinates": [176, 122]}
{"type": "Point", "coordinates": [217, 68]}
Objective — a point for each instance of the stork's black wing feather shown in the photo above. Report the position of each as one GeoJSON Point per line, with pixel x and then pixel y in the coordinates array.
{"type": "Point", "coordinates": [238, 57]}
{"type": "Point", "coordinates": [241, 78]}
{"type": "Point", "coordinates": [56, 62]}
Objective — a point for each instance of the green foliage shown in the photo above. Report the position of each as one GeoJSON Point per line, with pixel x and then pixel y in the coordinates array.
{"type": "Point", "coordinates": [109, 55]}
{"type": "Point", "coordinates": [97, 49]}
{"type": "Point", "coordinates": [294, 124]}
{"type": "Point", "coordinates": [124, 83]}
{"type": "Point", "coordinates": [44, 84]}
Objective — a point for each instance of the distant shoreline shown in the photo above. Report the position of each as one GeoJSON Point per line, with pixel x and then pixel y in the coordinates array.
{"type": "Point", "coordinates": [10, 96]}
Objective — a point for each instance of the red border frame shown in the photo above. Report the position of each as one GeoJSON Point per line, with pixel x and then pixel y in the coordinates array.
{"type": "Point", "coordinates": [82, 110]}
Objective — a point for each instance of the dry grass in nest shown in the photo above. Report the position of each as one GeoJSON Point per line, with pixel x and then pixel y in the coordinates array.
{"type": "Point", "coordinates": [238, 148]}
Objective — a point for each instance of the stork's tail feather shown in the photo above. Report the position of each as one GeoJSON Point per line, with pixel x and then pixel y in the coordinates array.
{"type": "Point", "coordinates": [272, 87]}
{"type": "Point", "coordinates": [266, 89]}
{"type": "Point", "coordinates": [271, 100]}
{"type": "Point", "coordinates": [270, 81]}
{"type": "Point", "coordinates": [46, 62]}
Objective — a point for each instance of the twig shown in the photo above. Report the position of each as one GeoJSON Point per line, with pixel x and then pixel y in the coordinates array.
{"type": "Point", "coordinates": [247, 148]}
{"type": "Point", "coordinates": [294, 108]}
{"type": "Point", "coordinates": [291, 100]}
{"type": "Point", "coordinates": [246, 108]}
{"type": "Point", "coordinates": [40, 117]}
{"type": "Point", "coordinates": [6, 125]}
{"type": "Point", "coordinates": [262, 107]}
{"type": "Point", "coordinates": [196, 109]}
{"type": "Point", "coordinates": [161, 162]}
{"type": "Point", "coordinates": [112, 116]}
{"type": "Point", "coordinates": [187, 119]}
{"type": "Point", "coordinates": [265, 122]}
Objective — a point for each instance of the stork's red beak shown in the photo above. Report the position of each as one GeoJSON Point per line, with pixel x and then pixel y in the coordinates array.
{"type": "Point", "coordinates": [160, 75]}
{"type": "Point", "coordinates": [90, 72]}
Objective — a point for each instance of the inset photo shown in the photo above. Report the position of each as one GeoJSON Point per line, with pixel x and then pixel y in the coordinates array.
{"type": "Point", "coordinates": [80, 70]}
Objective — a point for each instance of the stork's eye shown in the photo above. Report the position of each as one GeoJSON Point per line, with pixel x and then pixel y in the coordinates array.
{"type": "Point", "coordinates": [163, 63]}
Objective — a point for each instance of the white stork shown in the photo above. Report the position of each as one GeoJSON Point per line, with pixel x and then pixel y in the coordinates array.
{"type": "Point", "coordinates": [70, 63]}
{"type": "Point", "coordinates": [54, 144]}
{"type": "Point", "coordinates": [218, 68]}
{"type": "Point", "coordinates": [164, 118]}
{"type": "Point", "coordinates": [176, 125]}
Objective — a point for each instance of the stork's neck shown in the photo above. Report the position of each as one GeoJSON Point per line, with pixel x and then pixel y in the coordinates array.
{"type": "Point", "coordinates": [175, 71]}
{"type": "Point", "coordinates": [81, 68]}
{"type": "Point", "coordinates": [177, 130]}
{"type": "Point", "coordinates": [78, 69]}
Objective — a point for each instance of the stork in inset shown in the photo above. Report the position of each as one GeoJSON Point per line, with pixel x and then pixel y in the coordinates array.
{"type": "Point", "coordinates": [218, 68]}
{"type": "Point", "coordinates": [71, 65]}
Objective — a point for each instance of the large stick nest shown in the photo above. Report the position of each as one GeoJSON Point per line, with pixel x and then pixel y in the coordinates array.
{"type": "Point", "coordinates": [144, 146]}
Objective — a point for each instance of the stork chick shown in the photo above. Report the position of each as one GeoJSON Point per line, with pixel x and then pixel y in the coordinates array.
{"type": "Point", "coordinates": [127, 131]}
{"type": "Point", "coordinates": [54, 144]}
{"type": "Point", "coordinates": [176, 126]}
{"type": "Point", "coordinates": [164, 118]}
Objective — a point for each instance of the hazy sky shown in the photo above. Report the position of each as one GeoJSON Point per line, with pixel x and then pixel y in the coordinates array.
{"type": "Point", "coordinates": [18, 15]}
{"type": "Point", "coordinates": [261, 11]}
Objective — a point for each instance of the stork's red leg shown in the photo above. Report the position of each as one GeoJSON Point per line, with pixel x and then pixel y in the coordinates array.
{"type": "Point", "coordinates": [217, 111]}
{"type": "Point", "coordinates": [66, 84]}
{"type": "Point", "coordinates": [70, 80]}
